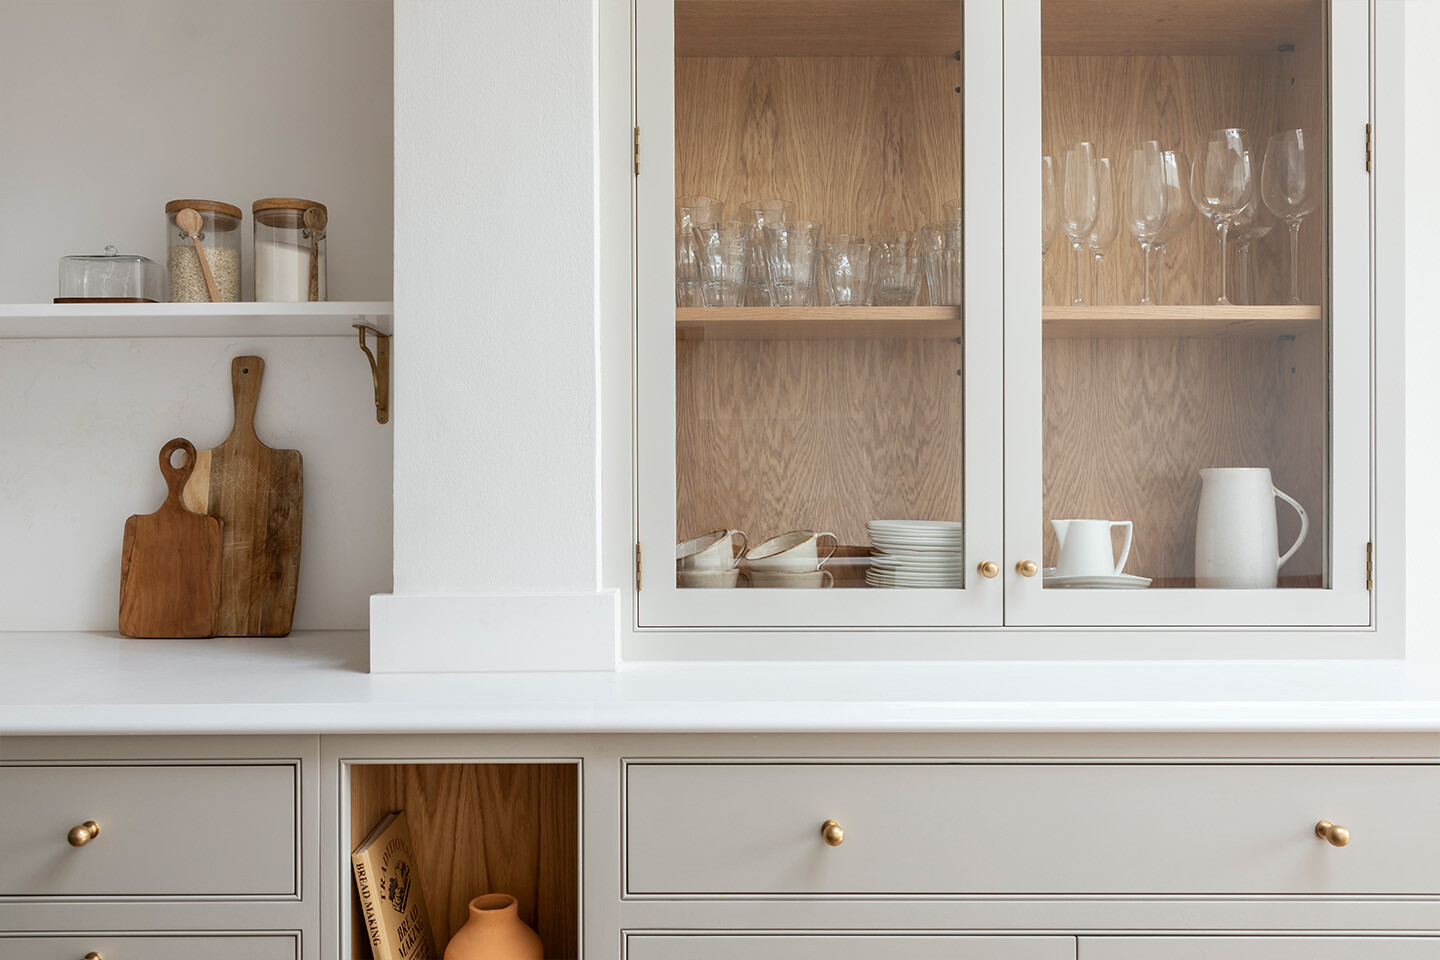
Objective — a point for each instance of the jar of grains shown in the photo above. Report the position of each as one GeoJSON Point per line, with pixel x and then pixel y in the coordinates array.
{"type": "Point", "coordinates": [289, 252]}
{"type": "Point", "coordinates": [218, 239]}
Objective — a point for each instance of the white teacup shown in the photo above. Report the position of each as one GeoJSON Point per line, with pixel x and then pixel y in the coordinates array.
{"type": "Point", "coordinates": [708, 579]}
{"type": "Point", "coordinates": [809, 580]}
{"type": "Point", "coordinates": [711, 551]}
{"type": "Point", "coordinates": [1086, 549]}
{"type": "Point", "coordinates": [795, 552]}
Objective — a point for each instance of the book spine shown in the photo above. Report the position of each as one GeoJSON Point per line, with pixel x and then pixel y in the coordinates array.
{"type": "Point", "coordinates": [369, 908]}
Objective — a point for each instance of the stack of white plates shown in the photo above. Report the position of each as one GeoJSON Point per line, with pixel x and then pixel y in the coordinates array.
{"type": "Point", "coordinates": [916, 553]}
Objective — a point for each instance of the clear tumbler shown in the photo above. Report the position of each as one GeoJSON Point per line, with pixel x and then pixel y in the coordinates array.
{"type": "Point", "coordinates": [944, 266]}
{"type": "Point", "coordinates": [847, 270]}
{"type": "Point", "coordinates": [761, 212]}
{"type": "Point", "coordinates": [792, 251]}
{"type": "Point", "coordinates": [723, 252]}
{"type": "Point", "coordinates": [895, 270]}
{"type": "Point", "coordinates": [690, 211]}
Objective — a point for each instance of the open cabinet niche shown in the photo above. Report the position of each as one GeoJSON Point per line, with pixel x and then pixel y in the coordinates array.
{"type": "Point", "coordinates": [480, 828]}
{"type": "Point", "coordinates": [1129, 421]}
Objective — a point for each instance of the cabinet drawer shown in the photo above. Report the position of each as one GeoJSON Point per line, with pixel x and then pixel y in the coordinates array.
{"type": "Point", "coordinates": [151, 947]}
{"type": "Point", "coordinates": [166, 830]}
{"type": "Point", "coordinates": [1259, 948]}
{"type": "Point", "coordinates": [1117, 829]}
{"type": "Point", "coordinates": [851, 947]}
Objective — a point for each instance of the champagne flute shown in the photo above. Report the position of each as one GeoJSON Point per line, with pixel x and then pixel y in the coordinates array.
{"type": "Point", "coordinates": [1251, 224]}
{"type": "Point", "coordinates": [1049, 208]}
{"type": "Point", "coordinates": [1079, 200]}
{"type": "Point", "coordinates": [1107, 221]}
{"type": "Point", "coordinates": [1290, 184]}
{"type": "Point", "coordinates": [1147, 208]}
{"type": "Point", "coordinates": [1182, 214]}
{"type": "Point", "coordinates": [1221, 184]}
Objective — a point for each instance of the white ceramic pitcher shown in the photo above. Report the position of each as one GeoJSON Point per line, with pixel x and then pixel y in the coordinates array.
{"type": "Point", "coordinates": [1086, 550]}
{"type": "Point", "coordinates": [1236, 540]}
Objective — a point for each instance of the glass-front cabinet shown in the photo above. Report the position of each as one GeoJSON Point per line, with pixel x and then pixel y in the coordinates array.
{"type": "Point", "coordinates": [870, 396]}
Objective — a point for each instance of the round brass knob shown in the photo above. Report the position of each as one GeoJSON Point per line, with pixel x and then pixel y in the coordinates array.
{"type": "Point", "coordinates": [92, 955]}
{"type": "Point", "coordinates": [83, 834]}
{"type": "Point", "coordinates": [1333, 833]}
{"type": "Point", "coordinates": [1027, 568]}
{"type": "Point", "coordinates": [989, 569]}
{"type": "Point", "coordinates": [833, 833]}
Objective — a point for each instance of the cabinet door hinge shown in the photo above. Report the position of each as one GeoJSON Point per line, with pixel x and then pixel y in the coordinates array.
{"type": "Point", "coordinates": [1370, 566]}
{"type": "Point", "coordinates": [1369, 162]}
{"type": "Point", "coordinates": [637, 565]}
{"type": "Point", "coordinates": [637, 151]}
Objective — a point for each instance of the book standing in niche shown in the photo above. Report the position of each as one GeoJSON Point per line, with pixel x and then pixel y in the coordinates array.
{"type": "Point", "coordinates": [390, 895]}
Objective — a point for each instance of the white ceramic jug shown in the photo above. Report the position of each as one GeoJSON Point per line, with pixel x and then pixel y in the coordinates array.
{"type": "Point", "coordinates": [1236, 541]}
{"type": "Point", "coordinates": [1086, 550]}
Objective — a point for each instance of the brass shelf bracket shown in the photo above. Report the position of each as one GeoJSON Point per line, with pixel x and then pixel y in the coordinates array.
{"type": "Point", "coordinates": [379, 369]}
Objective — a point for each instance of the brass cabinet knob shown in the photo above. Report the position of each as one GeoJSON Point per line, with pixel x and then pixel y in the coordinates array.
{"type": "Point", "coordinates": [83, 834]}
{"type": "Point", "coordinates": [989, 569]}
{"type": "Point", "coordinates": [1333, 833]}
{"type": "Point", "coordinates": [1027, 568]}
{"type": "Point", "coordinates": [92, 955]}
{"type": "Point", "coordinates": [833, 833]}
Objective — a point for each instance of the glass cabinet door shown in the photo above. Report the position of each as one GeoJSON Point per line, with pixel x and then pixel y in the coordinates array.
{"type": "Point", "coordinates": [1187, 340]}
{"type": "Point", "coordinates": [819, 304]}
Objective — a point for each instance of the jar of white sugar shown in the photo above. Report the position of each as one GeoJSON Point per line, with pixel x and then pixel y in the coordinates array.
{"type": "Point", "coordinates": [208, 229]}
{"type": "Point", "coordinates": [289, 249]}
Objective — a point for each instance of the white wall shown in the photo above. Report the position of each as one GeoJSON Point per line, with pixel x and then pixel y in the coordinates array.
{"type": "Point", "coordinates": [496, 472]}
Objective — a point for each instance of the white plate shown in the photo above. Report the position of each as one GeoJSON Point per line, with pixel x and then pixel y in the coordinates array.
{"type": "Point", "coordinates": [884, 584]}
{"type": "Point", "coordinates": [889, 545]}
{"type": "Point", "coordinates": [947, 579]}
{"type": "Point", "coordinates": [920, 527]}
{"type": "Point", "coordinates": [924, 560]}
{"type": "Point", "coordinates": [1122, 581]}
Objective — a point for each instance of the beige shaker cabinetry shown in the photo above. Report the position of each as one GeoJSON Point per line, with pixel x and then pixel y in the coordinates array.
{"type": "Point", "coordinates": [842, 947]}
{"type": "Point", "coordinates": [1259, 948]}
{"type": "Point", "coordinates": [109, 946]}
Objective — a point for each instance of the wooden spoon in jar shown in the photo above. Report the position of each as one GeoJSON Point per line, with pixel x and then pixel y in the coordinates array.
{"type": "Point", "coordinates": [315, 220]}
{"type": "Point", "coordinates": [190, 222]}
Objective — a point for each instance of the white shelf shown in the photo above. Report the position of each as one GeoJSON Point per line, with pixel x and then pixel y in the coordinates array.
{"type": "Point", "coordinates": [125, 321]}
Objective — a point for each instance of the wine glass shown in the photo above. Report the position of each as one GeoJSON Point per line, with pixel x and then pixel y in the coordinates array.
{"type": "Point", "coordinates": [1251, 224]}
{"type": "Point", "coordinates": [1290, 184]}
{"type": "Point", "coordinates": [1182, 214]}
{"type": "Point", "coordinates": [1221, 184]}
{"type": "Point", "coordinates": [1049, 208]}
{"type": "Point", "coordinates": [1148, 206]}
{"type": "Point", "coordinates": [1079, 200]}
{"type": "Point", "coordinates": [1107, 221]}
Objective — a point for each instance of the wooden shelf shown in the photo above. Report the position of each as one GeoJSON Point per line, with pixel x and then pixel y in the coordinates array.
{"type": "Point", "coordinates": [124, 321]}
{"type": "Point", "coordinates": [818, 323]}
{"type": "Point", "coordinates": [1180, 322]}
{"type": "Point", "coordinates": [1088, 28]}
{"type": "Point", "coordinates": [818, 28]}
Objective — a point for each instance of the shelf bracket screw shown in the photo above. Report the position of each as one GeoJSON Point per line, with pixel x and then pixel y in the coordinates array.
{"type": "Point", "coordinates": [379, 369]}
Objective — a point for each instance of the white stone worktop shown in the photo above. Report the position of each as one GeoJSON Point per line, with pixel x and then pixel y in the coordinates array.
{"type": "Point", "coordinates": [58, 683]}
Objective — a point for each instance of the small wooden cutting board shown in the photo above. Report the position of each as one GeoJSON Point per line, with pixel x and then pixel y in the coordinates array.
{"type": "Point", "coordinates": [257, 493]}
{"type": "Point", "coordinates": [170, 563]}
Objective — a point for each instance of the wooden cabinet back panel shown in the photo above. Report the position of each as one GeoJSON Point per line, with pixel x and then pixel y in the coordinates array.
{"type": "Point", "coordinates": [112, 947]}
{"type": "Point", "coordinates": [1213, 829]}
{"type": "Point", "coordinates": [165, 830]}
{"type": "Point", "coordinates": [853, 947]}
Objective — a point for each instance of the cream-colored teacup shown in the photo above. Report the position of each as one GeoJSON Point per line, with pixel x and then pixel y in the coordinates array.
{"type": "Point", "coordinates": [711, 551]}
{"type": "Point", "coordinates": [795, 552]}
{"type": "Point", "coordinates": [809, 580]}
{"type": "Point", "coordinates": [708, 579]}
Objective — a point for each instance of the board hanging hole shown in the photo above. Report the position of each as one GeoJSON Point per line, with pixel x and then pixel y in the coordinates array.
{"type": "Point", "coordinates": [178, 456]}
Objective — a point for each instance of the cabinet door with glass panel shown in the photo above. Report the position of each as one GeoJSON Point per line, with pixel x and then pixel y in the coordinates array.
{"type": "Point", "coordinates": [819, 333]}
{"type": "Point", "coordinates": [1187, 339]}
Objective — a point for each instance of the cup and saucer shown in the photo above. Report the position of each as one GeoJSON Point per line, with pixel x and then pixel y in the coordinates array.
{"type": "Point", "coordinates": [1087, 558]}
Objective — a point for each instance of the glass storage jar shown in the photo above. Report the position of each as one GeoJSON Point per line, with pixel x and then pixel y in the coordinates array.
{"type": "Point", "coordinates": [218, 237]}
{"type": "Point", "coordinates": [110, 278]}
{"type": "Point", "coordinates": [289, 249]}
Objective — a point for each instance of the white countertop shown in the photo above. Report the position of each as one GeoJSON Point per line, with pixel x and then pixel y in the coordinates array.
{"type": "Point", "coordinates": [59, 683]}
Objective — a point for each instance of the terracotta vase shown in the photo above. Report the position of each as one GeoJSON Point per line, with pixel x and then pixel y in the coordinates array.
{"type": "Point", "coordinates": [495, 932]}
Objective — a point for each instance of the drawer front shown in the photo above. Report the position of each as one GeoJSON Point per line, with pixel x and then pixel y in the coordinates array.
{"type": "Point", "coordinates": [852, 947]}
{"type": "Point", "coordinates": [166, 830]}
{"type": "Point", "coordinates": [1026, 829]}
{"type": "Point", "coordinates": [151, 947]}
{"type": "Point", "coordinates": [1259, 948]}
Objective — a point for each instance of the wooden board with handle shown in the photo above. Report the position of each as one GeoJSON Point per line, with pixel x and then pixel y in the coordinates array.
{"type": "Point", "coordinates": [170, 563]}
{"type": "Point", "coordinates": [257, 493]}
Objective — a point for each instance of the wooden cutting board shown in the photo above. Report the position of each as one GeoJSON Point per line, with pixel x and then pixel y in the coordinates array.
{"type": "Point", "coordinates": [256, 492]}
{"type": "Point", "coordinates": [170, 563]}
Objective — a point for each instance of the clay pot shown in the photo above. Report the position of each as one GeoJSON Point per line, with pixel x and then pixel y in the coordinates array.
{"type": "Point", "coordinates": [495, 932]}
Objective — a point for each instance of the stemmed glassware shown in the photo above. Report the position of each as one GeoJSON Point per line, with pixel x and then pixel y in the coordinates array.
{"type": "Point", "coordinates": [1049, 205]}
{"type": "Point", "coordinates": [1107, 221]}
{"type": "Point", "coordinates": [1180, 214]}
{"type": "Point", "coordinates": [1290, 184]}
{"type": "Point", "coordinates": [1079, 200]}
{"type": "Point", "coordinates": [1221, 184]}
{"type": "Point", "coordinates": [1250, 224]}
{"type": "Point", "coordinates": [1148, 206]}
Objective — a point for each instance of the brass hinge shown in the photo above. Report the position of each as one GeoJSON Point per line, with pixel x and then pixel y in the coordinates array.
{"type": "Point", "coordinates": [1368, 155]}
{"type": "Point", "coordinates": [637, 151]}
{"type": "Point", "coordinates": [1370, 566]}
{"type": "Point", "coordinates": [637, 565]}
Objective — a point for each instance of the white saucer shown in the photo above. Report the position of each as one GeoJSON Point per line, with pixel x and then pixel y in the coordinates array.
{"type": "Point", "coordinates": [1119, 581]}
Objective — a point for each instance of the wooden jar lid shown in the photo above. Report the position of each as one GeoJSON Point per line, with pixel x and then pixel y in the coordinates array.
{"type": "Point", "coordinates": [206, 206]}
{"type": "Point", "coordinates": [284, 203]}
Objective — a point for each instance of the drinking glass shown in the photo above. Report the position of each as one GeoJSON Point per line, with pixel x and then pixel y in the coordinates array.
{"type": "Point", "coordinates": [723, 251]}
{"type": "Point", "coordinates": [895, 270]}
{"type": "Point", "coordinates": [1147, 207]}
{"type": "Point", "coordinates": [1049, 205]}
{"type": "Point", "coordinates": [1107, 221]}
{"type": "Point", "coordinates": [847, 270]}
{"type": "Point", "coordinates": [951, 209]}
{"type": "Point", "coordinates": [688, 212]}
{"type": "Point", "coordinates": [759, 213]}
{"type": "Point", "coordinates": [1290, 184]}
{"type": "Point", "coordinates": [792, 250]}
{"type": "Point", "coordinates": [1181, 213]}
{"type": "Point", "coordinates": [941, 243]}
{"type": "Point", "coordinates": [1221, 184]}
{"type": "Point", "coordinates": [1251, 224]}
{"type": "Point", "coordinates": [1079, 199]}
